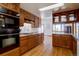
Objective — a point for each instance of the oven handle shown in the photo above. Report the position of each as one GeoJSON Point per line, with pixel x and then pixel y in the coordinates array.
{"type": "Point", "coordinates": [9, 34]}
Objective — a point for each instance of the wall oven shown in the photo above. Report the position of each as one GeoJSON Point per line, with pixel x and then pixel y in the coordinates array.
{"type": "Point", "coordinates": [9, 30]}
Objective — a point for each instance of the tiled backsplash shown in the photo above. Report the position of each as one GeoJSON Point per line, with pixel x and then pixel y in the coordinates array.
{"type": "Point", "coordinates": [27, 28]}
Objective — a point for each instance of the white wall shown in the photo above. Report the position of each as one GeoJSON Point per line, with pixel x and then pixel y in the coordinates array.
{"type": "Point", "coordinates": [47, 22]}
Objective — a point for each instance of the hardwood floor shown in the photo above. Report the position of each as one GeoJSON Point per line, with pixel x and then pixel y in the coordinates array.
{"type": "Point", "coordinates": [46, 49]}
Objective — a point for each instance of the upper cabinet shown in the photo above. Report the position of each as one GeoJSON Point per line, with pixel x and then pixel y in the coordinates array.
{"type": "Point", "coordinates": [72, 17]}
{"type": "Point", "coordinates": [27, 17]}
{"type": "Point", "coordinates": [11, 6]}
{"type": "Point", "coordinates": [63, 18]}
{"type": "Point", "coordinates": [56, 18]}
{"type": "Point", "coordinates": [36, 22]}
{"type": "Point", "coordinates": [22, 17]}
{"type": "Point", "coordinates": [66, 17]}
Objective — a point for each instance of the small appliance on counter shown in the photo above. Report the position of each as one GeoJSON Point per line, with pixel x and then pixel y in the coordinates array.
{"type": "Point", "coordinates": [9, 30]}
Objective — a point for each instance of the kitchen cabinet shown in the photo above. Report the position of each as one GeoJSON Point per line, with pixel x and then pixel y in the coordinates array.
{"type": "Point", "coordinates": [22, 16]}
{"type": "Point", "coordinates": [65, 41]}
{"type": "Point", "coordinates": [66, 16]}
{"type": "Point", "coordinates": [14, 52]}
{"type": "Point", "coordinates": [29, 42]}
{"type": "Point", "coordinates": [74, 49]}
{"type": "Point", "coordinates": [11, 6]}
{"type": "Point", "coordinates": [40, 22]}
{"type": "Point", "coordinates": [41, 38]}
{"type": "Point", "coordinates": [36, 22]}
{"type": "Point", "coordinates": [29, 16]}
{"type": "Point", "coordinates": [23, 44]}
{"type": "Point", "coordinates": [77, 14]}
{"type": "Point", "coordinates": [26, 16]}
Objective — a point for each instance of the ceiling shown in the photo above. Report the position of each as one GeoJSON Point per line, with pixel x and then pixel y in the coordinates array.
{"type": "Point", "coordinates": [33, 7]}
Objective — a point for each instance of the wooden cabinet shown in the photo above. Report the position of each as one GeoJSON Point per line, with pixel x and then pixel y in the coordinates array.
{"type": "Point", "coordinates": [40, 22]}
{"type": "Point", "coordinates": [41, 38]}
{"type": "Point", "coordinates": [11, 6]}
{"type": "Point", "coordinates": [36, 22]}
{"type": "Point", "coordinates": [26, 16]}
{"type": "Point", "coordinates": [29, 42]}
{"type": "Point", "coordinates": [77, 14]}
{"type": "Point", "coordinates": [22, 16]}
{"type": "Point", "coordinates": [66, 16]}
{"type": "Point", "coordinates": [62, 41]}
{"type": "Point", "coordinates": [14, 52]}
{"type": "Point", "coordinates": [74, 49]}
{"type": "Point", "coordinates": [66, 41]}
{"type": "Point", "coordinates": [23, 44]}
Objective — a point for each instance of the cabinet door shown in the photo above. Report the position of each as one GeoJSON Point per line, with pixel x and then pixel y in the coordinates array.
{"type": "Point", "coordinates": [11, 6]}
{"type": "Point", "coordinates": [21, 17]}
{"type": "Point", "coordinates": [39, 22]}
{"type": "Point", "coordinates": [56, 19]}
{"type": "Point", "coordinates": [30, 40]}
{"type": "Point", "coordinates": [36, 22]}
{"type": "Point", "coordinates": [23, 44]}
{"type": "Point", "coordinates": [74, 47]}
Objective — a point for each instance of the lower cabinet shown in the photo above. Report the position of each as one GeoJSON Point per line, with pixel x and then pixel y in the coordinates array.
{"type": "Point", "coordinates": [29, 42]}
{"type": "Point", "coordinates": [66, 41]}
{"type": "Point", "coordinates": [23, 45]}
{"type": "Point", "coordinates": [74, 49]}
{"type": "Point", "coordinates": [14, 52]}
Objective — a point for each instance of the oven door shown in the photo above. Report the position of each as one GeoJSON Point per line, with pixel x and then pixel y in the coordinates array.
{"type": "Point", "coordinates": [8, 42]}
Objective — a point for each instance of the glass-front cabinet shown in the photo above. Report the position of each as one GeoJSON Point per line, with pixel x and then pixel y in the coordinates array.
{"type": "Point", "coordinates": [62, 28]}
{"type": "Point", "coordinates": [72, 17]}
{"type": "Point", "coordinates": [63, 18]}
{"type": "Point", "coordinates": [56, 19]}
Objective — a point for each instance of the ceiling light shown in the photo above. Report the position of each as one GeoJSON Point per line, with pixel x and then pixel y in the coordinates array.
{"type": "Point", "coordinates": [51, 7]}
